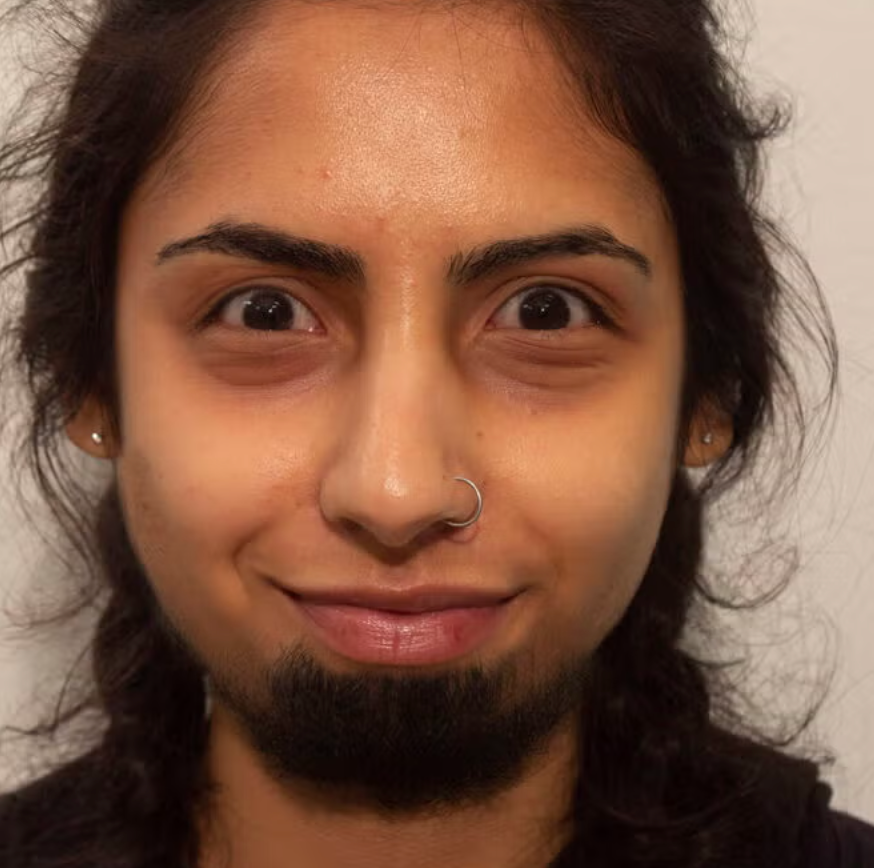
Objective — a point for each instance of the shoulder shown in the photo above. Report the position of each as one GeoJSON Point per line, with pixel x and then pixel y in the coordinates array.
{"type": "Point", "coordinates": [833, 839]}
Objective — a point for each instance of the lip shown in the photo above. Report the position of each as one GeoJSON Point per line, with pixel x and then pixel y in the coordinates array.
{"type": "Point", "coordinates": [428, 598]}
{"type": "Point", "coordinates": [401, 638]}
{"type": "Point", "coordinates": [421, 626]}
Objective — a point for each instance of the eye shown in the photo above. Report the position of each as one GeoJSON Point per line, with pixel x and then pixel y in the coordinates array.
{"type": "Point", "coordinates": [547, 307]}
{"type": "Point", "coordinates": [262, 309]}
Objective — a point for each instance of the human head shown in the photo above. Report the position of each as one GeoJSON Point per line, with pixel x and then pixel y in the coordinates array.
{"type": "Point", "coordinates": [664, 108]}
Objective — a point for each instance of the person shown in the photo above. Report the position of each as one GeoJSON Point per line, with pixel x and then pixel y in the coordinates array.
{"type": "Point", "coordinates": [417, 338]}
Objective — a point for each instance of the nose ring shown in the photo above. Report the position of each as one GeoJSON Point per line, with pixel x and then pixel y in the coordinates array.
{"type": "Point", "coordinates": [477, 511]}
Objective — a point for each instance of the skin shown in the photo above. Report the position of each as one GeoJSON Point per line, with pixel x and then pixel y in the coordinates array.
{"type": "Point", "coordinates": [326, 456]}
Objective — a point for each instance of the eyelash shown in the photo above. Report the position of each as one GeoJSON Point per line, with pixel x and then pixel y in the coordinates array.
{"type": "Point", "coordinates": [600, 318]}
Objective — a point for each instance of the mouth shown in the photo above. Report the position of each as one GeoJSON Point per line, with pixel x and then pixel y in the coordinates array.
{"type": "Point", "coordinates": [403, 628]}
{"type": "Point", "coordinates": [410, 601]}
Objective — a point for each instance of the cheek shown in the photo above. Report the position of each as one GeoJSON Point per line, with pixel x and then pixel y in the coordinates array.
{"type": "Point", "coordinates": [194, 479]}
{"type": "Point", "coordinates": [182, 532]}
{"type": "Point", "coordinates": [179, 499]}
{"type": "Point", "coordinates": [593, 509]}
{"type": "Point", "coordinates": [197, 481]}
{"type": "Point", "coordinates": [190, 513]}
{"type": "Point", "coordinates": [617, 527]}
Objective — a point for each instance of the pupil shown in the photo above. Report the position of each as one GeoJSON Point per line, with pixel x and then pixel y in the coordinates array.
{"type": "Point", "coordinates": [266, 311]}
{"type": "Point", "coordinates": [544, 310]}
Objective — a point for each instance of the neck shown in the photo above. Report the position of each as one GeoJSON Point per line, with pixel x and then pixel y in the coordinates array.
{"type": "Point", "coordinates": [255, 822]}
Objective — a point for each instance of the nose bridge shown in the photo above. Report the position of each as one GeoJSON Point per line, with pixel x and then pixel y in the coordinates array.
{"type": "Point", "coordinates": [398, 447]}
{"type": "Point", "coordinates": [402, 411]}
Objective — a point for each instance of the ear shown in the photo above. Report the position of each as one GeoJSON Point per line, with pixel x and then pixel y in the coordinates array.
{"type": "Point", "coordinates": [90, 419]}
{"type": "Point", "coordinates": [711, 425]}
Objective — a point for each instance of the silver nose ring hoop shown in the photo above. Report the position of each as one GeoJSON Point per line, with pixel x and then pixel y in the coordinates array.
{"type": "Point", "coordinates": [477, 511]}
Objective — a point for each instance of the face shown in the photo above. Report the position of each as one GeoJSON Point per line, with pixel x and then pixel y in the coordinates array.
{"type": "Point", "coordinates": [293, 414]}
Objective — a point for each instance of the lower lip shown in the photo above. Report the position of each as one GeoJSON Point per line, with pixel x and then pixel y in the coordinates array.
{"type": "Point", "coordinates": [398, 638]}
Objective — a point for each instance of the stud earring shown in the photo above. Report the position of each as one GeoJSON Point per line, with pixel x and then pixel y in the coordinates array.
{"type": "Point", "coordinates": [97, 437]}
{"type": "Point", "coordinates": [707, 439]}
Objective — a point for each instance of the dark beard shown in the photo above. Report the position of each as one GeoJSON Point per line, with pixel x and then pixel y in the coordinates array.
{"type": "Point", "coordinates": [403, 743]}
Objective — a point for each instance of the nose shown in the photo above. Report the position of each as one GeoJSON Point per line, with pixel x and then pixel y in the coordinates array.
{"type": "Point", "coordinates": [400, 443]}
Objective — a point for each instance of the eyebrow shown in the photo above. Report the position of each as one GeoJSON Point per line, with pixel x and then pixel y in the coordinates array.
{"type": "Point", "coordinates": [264, 244]}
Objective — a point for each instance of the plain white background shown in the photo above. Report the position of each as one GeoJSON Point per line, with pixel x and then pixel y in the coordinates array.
{"type": "Point", "coordinates": [821, 181]}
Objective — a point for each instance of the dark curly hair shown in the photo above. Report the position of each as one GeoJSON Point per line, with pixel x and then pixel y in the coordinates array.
{"type": "Point", "coordinates": [674, 772]}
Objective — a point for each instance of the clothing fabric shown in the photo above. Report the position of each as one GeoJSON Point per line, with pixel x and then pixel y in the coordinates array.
{"type": "Point", "coordinates": [834, 839]}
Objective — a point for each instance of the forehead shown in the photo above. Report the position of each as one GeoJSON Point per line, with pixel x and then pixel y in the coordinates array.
{"type": "Point", "coordinates": [439, 111]}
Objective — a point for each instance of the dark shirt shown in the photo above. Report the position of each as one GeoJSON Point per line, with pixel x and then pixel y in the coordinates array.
{"type": "Point", "coordinates": [833, 839]}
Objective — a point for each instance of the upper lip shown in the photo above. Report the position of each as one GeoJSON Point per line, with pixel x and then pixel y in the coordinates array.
{"type": "Point", "coordinates": [423, 599]}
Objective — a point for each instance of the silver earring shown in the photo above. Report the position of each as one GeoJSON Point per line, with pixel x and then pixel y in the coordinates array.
{"type": "Point", "coordinates": [477, 511]}
{"type": "Point", "coordinates": [707, 439]}
{"type": "Point", "coordinates": [97, 437]}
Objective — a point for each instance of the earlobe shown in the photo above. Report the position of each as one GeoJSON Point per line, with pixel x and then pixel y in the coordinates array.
{"type": "Point", "coordinates": [710, 437]}
{"type": "Point", "coordinates": [89, 431]}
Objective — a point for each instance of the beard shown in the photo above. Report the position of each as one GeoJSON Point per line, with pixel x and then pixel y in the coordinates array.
{"type": "Point", "coordinates": [399, 743]}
